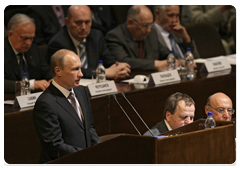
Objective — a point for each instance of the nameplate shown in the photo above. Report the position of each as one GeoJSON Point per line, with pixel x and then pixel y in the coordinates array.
{"type": "Point", "coordinates": [102, 88]}
{"type": "Point", "coordinates": [165, 77]}
{"type": "Point", "coordinates": [26, 100]}
{"type": "Point", "coordinates": [216, 65]}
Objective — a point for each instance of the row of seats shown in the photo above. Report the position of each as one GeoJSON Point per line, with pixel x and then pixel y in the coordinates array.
{"type": "Point", "coordinates": [207, 39]}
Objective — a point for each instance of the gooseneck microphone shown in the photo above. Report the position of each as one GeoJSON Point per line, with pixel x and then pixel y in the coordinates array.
{"type": "Point", "coordinates": [137, 113]}
{"type": "Point", "coordinates": [114, 96]}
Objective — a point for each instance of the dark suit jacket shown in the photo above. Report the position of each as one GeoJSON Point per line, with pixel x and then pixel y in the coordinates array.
{"type": "Point", "coordinates": [58, 126]}
{"type": "Point", "coordinates": [183, 46]}
{"type": "Point", "coordinates": [123, 47]}
{"type": "Point", "coordinates": [158, 129]}
{"type": "Point", "coordinates": [106, 15]}
{"type": "Point", "coordinates": [37, 67]}
{"type": "Point", "coordinates": [46, 22]}
{"type": "Point", "coordinates": [96, 49]}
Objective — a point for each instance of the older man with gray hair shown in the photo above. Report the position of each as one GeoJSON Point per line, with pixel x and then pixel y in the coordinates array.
{"type": "Point", "coordinates": [22, 56]}
{"type": "Point", "coordinates": [171, 34]}
{"type": "Point", "coordinates": [135, 43]}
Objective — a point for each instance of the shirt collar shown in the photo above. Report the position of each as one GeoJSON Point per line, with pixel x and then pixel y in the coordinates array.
{"type": "Point", "coordinates": [75, 42]}
{"type": "Point", "coordinates": [168, 126]}
{"type": "Point", "coordinates": [163, 31]}
{"type": "Point", "coordinates": [64, 91]}
{"type": "Point", "coordinates": [16, 53]}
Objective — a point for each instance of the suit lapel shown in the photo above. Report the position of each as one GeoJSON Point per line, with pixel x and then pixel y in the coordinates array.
{"type": "Point", "coordinates": [65, 104]}
{"type": "Point", "coordinates": [12, 59]}
{"type": "Point", "coordinates": [130, 41]}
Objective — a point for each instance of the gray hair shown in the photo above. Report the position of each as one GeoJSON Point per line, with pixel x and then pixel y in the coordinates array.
{"type": "Point", "coordinates": [161, 8]}
{"type": "Point", "coordinates": [58, 59]}
{"type": "Point", "coordinates": [18, 19]}
{"type": "Point", "coordinates": [133, 12]}
{"type": "Point", "coordinates": [172, 102]}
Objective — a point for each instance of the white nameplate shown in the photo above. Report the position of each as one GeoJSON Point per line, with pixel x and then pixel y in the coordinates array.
{"type": "Point", "coordinates": [165, 77]}
{"type": "Point", "coordinates": [26, 100]}
{"type": "Point", "coordinates": [216, 65]}
{"type": "Point", "coordinates": [102, 88]}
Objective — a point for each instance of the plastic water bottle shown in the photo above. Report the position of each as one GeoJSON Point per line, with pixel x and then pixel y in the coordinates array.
{"type": "Point", "coordinates": [189, 63]}
{"type": "Point", "coordinates": [171, 61]}
{"type": "Point", "coordinates": [100, 72]}
{"type": "Point", "coordinates": [25, 85]}
{"type": "Point", "coordinates": [210, 122]}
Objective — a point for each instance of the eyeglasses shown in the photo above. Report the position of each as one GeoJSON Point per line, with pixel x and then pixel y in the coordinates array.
{"type": "Point", "coordinates": [221, 110]}
{"type": "Point", "coordinates": [145, 26]}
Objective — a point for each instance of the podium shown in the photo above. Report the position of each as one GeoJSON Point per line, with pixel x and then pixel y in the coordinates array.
{"type": "Point", "coordinates": [193, 146]}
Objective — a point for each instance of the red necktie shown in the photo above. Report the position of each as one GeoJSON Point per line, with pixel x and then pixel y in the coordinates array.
{"type": "Point", "coordinates": [140, 51]}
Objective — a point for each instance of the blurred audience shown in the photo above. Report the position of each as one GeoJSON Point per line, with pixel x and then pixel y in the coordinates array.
{"type": "Point", "coordinates": [220, 16]}
{"type": "Point", "coordinates": [48, 19]}
{"type": "Point", "coordinates": [103, 18]}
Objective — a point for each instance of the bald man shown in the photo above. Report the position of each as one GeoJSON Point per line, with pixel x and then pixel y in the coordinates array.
{"type": "Point", "coordinates": [135, 43]}
{"type": "Point", "coordinates": [221, 106]}
{"type": "Point", "coordinates": [62, 115]}
{"type": "Point", "coordinates": [87, 43]}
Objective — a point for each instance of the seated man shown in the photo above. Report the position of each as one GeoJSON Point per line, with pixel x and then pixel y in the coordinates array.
{"type": "Point", "coordinates": [23, 56]}
{"type": "Point", "coordinates": [221, 107]}
{"type": "Point", "coordinates": [62, 115]}
{"type": "Point", "coordinates": [178, 111]}
{"type": "Point", "coordinates": [171, 33]}
{"type": "Point", "coordinates": [135, 43]}
{"type": "Point", "coordinates": [88, 43]}
{"type": "Point", "coordinates": [48, 19]}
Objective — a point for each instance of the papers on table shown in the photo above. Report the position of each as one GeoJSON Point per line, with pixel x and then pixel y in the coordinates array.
{"type": "Point", "coordinates": [9, 102]}
{"type": "Point", "coordinates": [231, 59]}
{"type": "Point", "coordinates": [85, 82]}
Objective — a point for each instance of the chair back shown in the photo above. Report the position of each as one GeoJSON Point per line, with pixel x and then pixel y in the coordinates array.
{"type": "Point", "coordinates": [207, 40]}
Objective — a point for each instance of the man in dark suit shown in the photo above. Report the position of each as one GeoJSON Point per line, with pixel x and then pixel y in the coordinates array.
{"type": "Point", "coordinates": [20, 54]}
{"type": "Point", "coordinates": [178, 111]}
{"type": "Point", "coordinates": [88, 43]}
{"type": "Point", "coordinates": [135, 43]}
{"type": "Point", "coordinates": [48, 19]}
{"type": "Point", "coordinates": [171, 33]}
{"type": "Point", "coordinates": [102, 18]}
{"type": "Point", "coordinates": [62, 115]}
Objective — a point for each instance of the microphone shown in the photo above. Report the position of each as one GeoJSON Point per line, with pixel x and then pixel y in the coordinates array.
{"type": "Point", "coordinates": [137, 113]}
{"type": "Point", "coordinates": [114, 96]}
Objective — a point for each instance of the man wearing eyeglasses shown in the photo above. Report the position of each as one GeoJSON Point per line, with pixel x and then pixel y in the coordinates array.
{"type": "Point", "coordinates": [135, 43]}
{"type": "Point", "coordinates": [221, 106]}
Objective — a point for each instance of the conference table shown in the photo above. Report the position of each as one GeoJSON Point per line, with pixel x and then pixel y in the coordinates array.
{"type": "Point", "coordinates": [21, 144]}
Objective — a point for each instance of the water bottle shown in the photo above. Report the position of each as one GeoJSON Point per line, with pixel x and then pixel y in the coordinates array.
{"type": "Point", "coordinates": [25, 85]}
{"type": "Point", "coordinates": [100, 72]}
{"type": "Point", "coordinates": [210, 122]}
{"type": "Point", "coordinates": [170, 61]}
{"type": "Point", "coordinates": [189, 63]}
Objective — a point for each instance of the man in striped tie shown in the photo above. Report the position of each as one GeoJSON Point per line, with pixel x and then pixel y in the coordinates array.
{"type": "Point", "coordinates": [171, 33]}
{"type": "Point", "coordinates": [87, 43]}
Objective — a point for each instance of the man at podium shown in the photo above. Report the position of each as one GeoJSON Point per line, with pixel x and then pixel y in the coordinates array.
{"type": "Point", "coordinates": [179, 110]}
{"type": "Point", "coordinates": [62, 115]}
